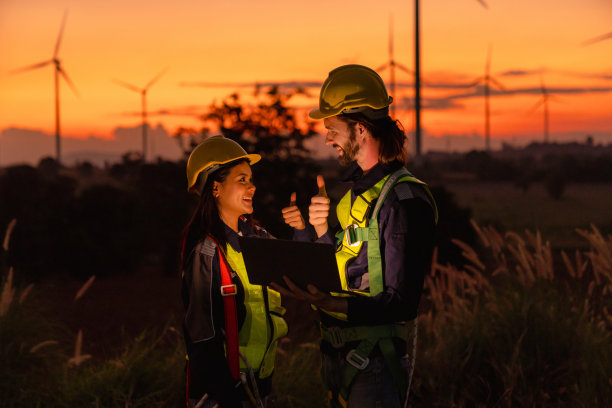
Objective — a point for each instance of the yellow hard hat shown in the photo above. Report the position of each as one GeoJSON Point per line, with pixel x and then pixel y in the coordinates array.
{"type": "Point", "coordinates": [351, 88]}
{"type": "Point", "coordinates": [210, 154]}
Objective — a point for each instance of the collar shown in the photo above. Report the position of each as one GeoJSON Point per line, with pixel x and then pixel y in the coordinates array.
{"type": "Point", "coordinates": [363, 182]}
{"type": "Point", "coordinates": [232, 236]}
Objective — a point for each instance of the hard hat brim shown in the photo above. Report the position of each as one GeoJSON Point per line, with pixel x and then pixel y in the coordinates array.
{"type": "Point", "coordinates": [252, 158]}
{"type": "Point", "coordinates": [317, 114]}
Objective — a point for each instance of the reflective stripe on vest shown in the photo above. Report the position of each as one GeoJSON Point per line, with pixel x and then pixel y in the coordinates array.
{"type": "Point", "coordinates": [359, 223]}
{"type": "Point", "coordinates": [256, 338]}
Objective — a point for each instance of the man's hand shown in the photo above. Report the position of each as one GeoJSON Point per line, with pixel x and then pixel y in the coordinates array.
{"type": "Point", "coordinates": [292, 215]}
{"type": "Point", "coordinates": [313, 295]}
{"type": "Point", "coordinates": [319, 208]}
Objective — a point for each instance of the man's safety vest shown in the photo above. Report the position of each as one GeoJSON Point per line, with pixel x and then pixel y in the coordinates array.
{"type": "Point", "coordinates": [359, 222]}
{"type": "Point", "coordinates": [263, 324]}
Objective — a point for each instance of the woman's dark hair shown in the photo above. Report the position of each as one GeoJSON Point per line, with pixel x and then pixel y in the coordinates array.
{"type": "Point", "coordinates": [205, 219]}
{"type": "Point", "coordinates": [389, 133]}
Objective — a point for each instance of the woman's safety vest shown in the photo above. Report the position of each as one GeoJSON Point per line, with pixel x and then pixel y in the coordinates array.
{"type": "Point", "coordinates": [263, 324]}
{"type": "Point", "coordinates": [359, 222]}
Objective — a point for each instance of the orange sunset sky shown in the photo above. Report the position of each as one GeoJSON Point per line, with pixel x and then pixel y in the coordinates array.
{"type": "Point", "coordinates": [243, 41]}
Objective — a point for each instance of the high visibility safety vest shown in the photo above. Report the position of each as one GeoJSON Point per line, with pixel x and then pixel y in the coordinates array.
{"type": "Point", "coordinates": [359, 223]}
{"type": "Point", "coordinates": [263, 324]}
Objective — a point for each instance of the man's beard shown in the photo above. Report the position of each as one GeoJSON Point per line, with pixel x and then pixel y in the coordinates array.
{"type": "Point", "coordinates": [350, 150]}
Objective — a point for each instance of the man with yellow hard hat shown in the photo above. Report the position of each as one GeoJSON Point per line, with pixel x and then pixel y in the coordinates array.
{"type": "Point", "coordinates": [383, 245]}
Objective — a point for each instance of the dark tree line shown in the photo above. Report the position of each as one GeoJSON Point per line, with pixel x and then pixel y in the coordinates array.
{"type": "Point", "coordinates": [554, 170]}
{"type": "Point", "coordinates": [84, 220]}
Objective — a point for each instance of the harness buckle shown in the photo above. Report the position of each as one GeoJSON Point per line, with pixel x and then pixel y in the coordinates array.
{"type": "Point", "coordinates": [350, 235]}
{"type": "Point", "coordinates": [335, 336]}
{"type": "Point", "coordinates": [229, 290]}
{"type": "Point", "coordinates": [356, 360]}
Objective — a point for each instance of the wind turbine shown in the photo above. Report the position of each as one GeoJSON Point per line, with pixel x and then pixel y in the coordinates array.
{"type": "Point", "coordinates": [57, 72]}
{"type": "Point", "coordinates": [486, 81]}
{"type": "Point", "coordinates": [391, 64]}
{"type": "Point", "coordinates": [417, 73]}
{"type": "Point", "coordinates": [546, 96]}
{"type": "Point", "coordinates": [143, 94]}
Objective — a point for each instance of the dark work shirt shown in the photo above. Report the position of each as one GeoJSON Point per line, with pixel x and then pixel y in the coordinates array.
{"type": "Point", "coordinates": [407, 232]}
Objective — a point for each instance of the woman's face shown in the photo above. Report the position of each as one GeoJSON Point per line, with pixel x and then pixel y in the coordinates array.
{"type": "Point", "coordinates": [234, 196]}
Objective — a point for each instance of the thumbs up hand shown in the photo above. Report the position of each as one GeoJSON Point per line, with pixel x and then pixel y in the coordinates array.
{"type": "Point", "coordinates": [319, 208]}
{"type": "Point", "coordinates": [292, 215]}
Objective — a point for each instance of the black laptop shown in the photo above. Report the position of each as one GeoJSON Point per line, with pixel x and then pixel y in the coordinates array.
{"type": "Point", "coordinates": [267, 260]}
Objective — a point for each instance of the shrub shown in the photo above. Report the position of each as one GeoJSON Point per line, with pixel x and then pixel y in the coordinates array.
{"type": "Point", "coordinates": [517, 331]}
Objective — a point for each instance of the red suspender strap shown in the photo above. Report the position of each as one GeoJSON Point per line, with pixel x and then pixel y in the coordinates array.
{"type": "Point", "coordinates": [187, 384]}
{"type": "Point", "coordinates": [228, 291]}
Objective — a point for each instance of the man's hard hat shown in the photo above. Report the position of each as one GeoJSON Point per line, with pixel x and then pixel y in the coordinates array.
{"type": "Point", "coordinates": [209, 155]}
{"type": "Point", "coordinates": [352, 88]}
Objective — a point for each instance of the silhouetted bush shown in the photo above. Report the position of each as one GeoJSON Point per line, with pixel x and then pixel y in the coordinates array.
{"type": "Point", "coordinates": [453, 222]}
{"type": "Point", "coordinates": [555, 183]}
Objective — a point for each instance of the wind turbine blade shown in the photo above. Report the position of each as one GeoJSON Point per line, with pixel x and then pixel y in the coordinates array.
{"type": "Point", "coordinates": [542, 86]}
{"type": "Point", "coordinates": [475, 82]}
{"type": "Point", "coordinates": [403, 68]}
{"type": "Point", "coordinates": [151, 82]}
{"type": "Point", "coordinates": [497, 84]}
{"type": "Point", "coordinates": [537, 105]}
{"type": "Point", "coordinates": [382, 67]}
{"type": "Point", "coordinates": [488, 64]}
{"type": "Point", "coordinates": [390, 37]}
{"type": "Point", "coordinates": [31, 67]}
{"type": "Point", "coordinates": [483, 4]}
{"type": "Point", "coordinates": [556, 98]}
{"type": "Point", "coordinates": [69, 82]}
{"type": "Point", "coordinates": [597, 39]}
{"type": "Point", "coordinates": [60, 35]}
{"type": "Point", "coordinates": [128, 86]}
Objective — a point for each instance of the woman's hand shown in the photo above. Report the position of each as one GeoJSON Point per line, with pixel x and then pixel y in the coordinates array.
{"type": "Point", "coordinates": [292, 215]}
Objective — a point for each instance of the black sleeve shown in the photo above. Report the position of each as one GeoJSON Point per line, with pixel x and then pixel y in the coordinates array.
{"type": "Point", "coordinates": [209, 368]}
{"type": "Point", "coordinates": [407, 233]}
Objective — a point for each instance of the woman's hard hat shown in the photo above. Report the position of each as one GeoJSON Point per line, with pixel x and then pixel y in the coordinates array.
{"type": "Point", "coordinates": [352, 88]}
{"type": "Point", "coordinates": [209, 155]}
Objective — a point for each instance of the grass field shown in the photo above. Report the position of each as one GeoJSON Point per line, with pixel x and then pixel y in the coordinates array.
{"type": "Point", "coordinates": [510, 208]}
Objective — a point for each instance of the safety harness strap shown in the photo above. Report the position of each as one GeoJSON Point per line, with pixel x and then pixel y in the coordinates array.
{"type": "Point", "coordinates": [228, 292]}
{"type": "Point", "coordinates": [392, 361]}
{"type": "Point", "coordinates": [374, 258]}
{"type": "Point", "coordinates": [339, 336]}
{"type": "Point", "coordinates": [358, 358]}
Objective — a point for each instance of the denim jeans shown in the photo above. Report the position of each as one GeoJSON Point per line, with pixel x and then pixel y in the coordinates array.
{"type": "Point", "coordinates": [373, 386]}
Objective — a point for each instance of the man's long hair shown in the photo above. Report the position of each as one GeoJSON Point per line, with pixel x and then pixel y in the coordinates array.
{"type": "Point", "coordinates": [388, 132]}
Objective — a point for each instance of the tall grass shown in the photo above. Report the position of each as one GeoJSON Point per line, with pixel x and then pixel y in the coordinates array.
{"type": "Point", "coordinates": [147, 373]}
{"type": "Point", "coordinates": [297, 382]}
{"type": "Point", "coordinates": [42, 366]}
{"type": "Point", "coordinates": [516, 325]}
{"type": "Point", "coordinates": [517, 328]}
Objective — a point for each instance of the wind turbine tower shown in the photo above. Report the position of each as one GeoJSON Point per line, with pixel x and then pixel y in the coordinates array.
{"type": "Point", "coordinates": [143, 97]}
{"type": "Point", "coordinates": [544, 101]}
{"type": "Point", "coordinates": [487, 80]}
{"type": "Point", "coordinates": [417, 73]}
{"type": "Point", "coordinates": [391, 64]}
{"type": "Point", "coordinates": [57, 72]}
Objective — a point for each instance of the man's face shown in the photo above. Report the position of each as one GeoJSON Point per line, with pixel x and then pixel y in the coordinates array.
{"type": "Point", "coordinates": [342, 137]}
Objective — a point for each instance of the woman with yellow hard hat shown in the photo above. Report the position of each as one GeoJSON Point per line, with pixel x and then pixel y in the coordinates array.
{"type": "Point", "coordinates": [231, 327]}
